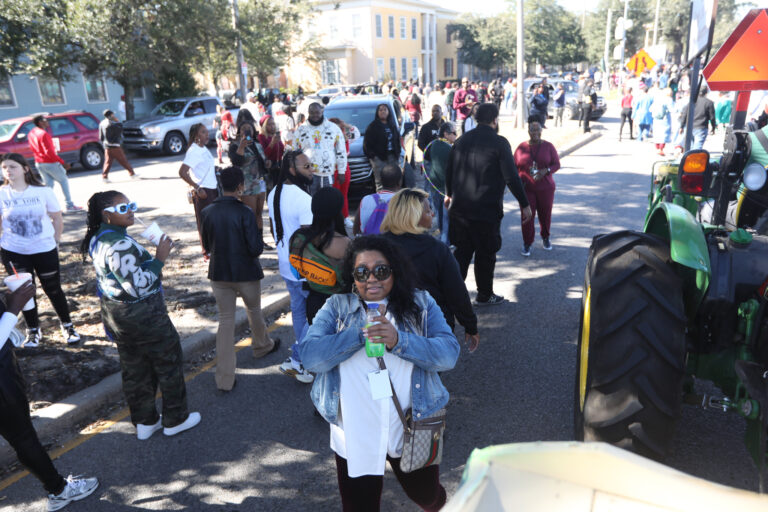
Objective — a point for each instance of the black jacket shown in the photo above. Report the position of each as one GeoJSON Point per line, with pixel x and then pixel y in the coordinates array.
{"type": "Point", "coordinates": [375, 141]}
{"type": "Point", "coordinates": [703, 114]}
{"type": "Point", "coordinates": [233, 241]}
{"type": "Point", "coordinates": [428, 133]}
{"type": "Point", "coordinates": [481, 163]}
{"type": "Point", "coordinates": [110, 133]}
{"type": "Point", "coordinates": [438, 273]}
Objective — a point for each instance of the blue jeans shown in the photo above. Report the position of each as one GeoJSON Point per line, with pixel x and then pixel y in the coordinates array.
{"type": "Point", "coordinates": [645, 131]}
{"type": "Point", "coordinates": [699, 136]}
{"type": "Point", "coordinates": [438, 206]}
{"type": "Point", "coordinates": [299, 314]}
{"type": "Point", "coordinates": [51, 172]}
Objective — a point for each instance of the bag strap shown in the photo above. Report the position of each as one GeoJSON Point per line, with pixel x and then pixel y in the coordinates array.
{"type": "Point", "coordinates": [400, 413]}
{"type": "Point", "coordinates": [760, 134]}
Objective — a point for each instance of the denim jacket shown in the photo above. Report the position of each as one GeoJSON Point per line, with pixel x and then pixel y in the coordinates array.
{"type": "Point", "coordinates": [336, 334]}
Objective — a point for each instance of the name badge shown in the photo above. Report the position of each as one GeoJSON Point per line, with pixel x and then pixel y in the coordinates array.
{"type": "Point", "coordinates": [380, 386]}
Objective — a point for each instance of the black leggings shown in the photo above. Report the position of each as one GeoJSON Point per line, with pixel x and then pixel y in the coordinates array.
{"type": "Point", "coordinates": [16, 425]}
{"type": "Point", "coordinates": [46, 266]}
{"type": "Point", "coordinates": [626, 115]}
{"type": "Point", "coordinates": [363, 493]}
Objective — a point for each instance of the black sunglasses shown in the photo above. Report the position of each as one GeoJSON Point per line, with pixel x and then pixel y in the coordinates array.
{"type": "Point", "coordinates": [380, 272]}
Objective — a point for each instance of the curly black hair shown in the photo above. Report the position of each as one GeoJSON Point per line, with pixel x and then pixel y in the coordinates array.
{"type": "Point", "coordinates": [401, 301]}
{"type": "Point", "coordinates": [289, 161]}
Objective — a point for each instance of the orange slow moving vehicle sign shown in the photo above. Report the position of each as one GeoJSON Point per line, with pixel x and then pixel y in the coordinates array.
{"type": "Point", "coordinates": [741, 64]}
{"type": "Point", "coordinates": [640, 61]}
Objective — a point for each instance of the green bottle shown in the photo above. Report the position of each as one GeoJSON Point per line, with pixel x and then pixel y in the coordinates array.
{"type": "Point", "coordinates": [373, 349]}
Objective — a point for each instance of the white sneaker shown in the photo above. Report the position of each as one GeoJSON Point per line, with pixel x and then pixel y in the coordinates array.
{"type": "Point", "coordinates": [144, 432]}
{"type": "Point", "coordinates": [34, 337]}
{"type": "Point", "coordinates": [288, 367]}
{"type": "Point", "coordinates": [192, 420]}
{"type": "Point", "coordinates": [76, 489]}
{"type": "Point", "coordinates": [70, 334]}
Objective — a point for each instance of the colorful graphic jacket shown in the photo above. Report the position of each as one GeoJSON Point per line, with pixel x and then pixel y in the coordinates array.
{"type": "Point", "coordinates": [126, 272]}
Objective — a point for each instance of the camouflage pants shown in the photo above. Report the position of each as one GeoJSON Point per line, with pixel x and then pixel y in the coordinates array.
{"type": "Point", "coordinates": [150, 356]}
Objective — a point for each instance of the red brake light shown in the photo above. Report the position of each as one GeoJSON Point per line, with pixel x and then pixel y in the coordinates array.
{"type": "Point", "coordinates": [693, 183]}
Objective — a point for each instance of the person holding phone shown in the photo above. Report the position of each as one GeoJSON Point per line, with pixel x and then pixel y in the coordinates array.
{"type": "Point", "coordinates": [246, 153]}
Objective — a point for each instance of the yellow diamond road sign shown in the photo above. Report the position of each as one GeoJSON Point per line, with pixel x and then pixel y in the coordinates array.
{"type": "Point", "coordinates": [640, 62]}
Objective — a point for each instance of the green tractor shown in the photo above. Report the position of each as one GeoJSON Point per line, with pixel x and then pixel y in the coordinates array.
{"type": "Point", "coordinates": [683, 299]}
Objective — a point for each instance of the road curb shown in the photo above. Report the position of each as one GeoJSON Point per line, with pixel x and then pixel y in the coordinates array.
{"type": "Point", "coordinates": [62, 416]}
{"type": "Point", "coordinates": [583, 141]}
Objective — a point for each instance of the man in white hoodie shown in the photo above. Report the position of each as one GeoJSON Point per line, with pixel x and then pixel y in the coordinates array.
{"type": "Point", "coordinates": [323, 142]}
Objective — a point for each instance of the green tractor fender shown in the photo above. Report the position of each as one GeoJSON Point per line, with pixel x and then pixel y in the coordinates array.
{"type": "Point", "coordinates": [687, 247]}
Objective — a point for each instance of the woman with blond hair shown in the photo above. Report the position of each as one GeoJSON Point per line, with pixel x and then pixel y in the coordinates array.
{"type": "Point", "coordinates": [409, 217]}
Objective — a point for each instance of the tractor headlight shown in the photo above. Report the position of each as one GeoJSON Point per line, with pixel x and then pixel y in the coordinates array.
{"type": "Point", "coordinates": [754, 176]}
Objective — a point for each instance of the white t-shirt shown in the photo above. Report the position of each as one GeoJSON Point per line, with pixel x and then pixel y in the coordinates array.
{"type": "Point", "coordinates": [295, 211]}
{"type": "Point", "coordinates": [202, 164]}
{"type": "Point", "coordinates": [27, 228]}
{"type": "Point", "coordinates": [368, 429]}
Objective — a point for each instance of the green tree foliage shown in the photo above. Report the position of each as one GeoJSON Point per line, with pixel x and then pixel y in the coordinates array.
{"type": "Point", "coordinates": [486, 42]}
{"type": "Point", "coordinates": [639, 12]}
{"type": "Point", "coordinates": [133, 41]}
{"type": "Point", "coordinates": [215, 37]}
{"type": "Point", "coordinates": [267, 30]}
{"type": "Point", "coordinates": [36, 39]}
{"type": "Point", "coordinates": [174, 83]}
{"type": "Point", "coordinates": [552, 34]}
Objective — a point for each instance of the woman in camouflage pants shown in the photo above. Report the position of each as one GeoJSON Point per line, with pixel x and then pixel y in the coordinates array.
{"type": "Point", "coordinates": [134, 315]}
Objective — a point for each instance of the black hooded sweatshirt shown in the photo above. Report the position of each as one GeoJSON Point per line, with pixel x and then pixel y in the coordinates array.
{"type": "Point", "coordinates": [438, 273]}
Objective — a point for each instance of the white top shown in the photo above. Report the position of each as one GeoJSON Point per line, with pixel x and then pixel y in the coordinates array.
{"type": "Point", "coordinates": [295, 211]}
{"type": "Point", "coordinates": [470, 124]}
{"type": "Point", "coordinates": [27, 228]}
{"type": "Point", "coordinates": [202, 164]}
{"type": "Point", "coordinates": [368, 429]}
{"type": "Point", "coordinates": [7, 323]}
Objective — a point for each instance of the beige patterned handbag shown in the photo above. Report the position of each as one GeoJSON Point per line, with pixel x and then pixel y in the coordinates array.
{"type": "Point", "coordinates": [423, 439]}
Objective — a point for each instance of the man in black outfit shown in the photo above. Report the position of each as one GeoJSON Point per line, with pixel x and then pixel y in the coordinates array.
{"type": "Point", "coordinates": [481, 163]}
{"type": "Point", "coordinates": [430, 129]}
{"type": "Point", "coordinates": [589, 99]}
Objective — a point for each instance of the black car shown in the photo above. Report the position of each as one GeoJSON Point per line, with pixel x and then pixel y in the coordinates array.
{"type": "Point", "coordinates": [359, 111]}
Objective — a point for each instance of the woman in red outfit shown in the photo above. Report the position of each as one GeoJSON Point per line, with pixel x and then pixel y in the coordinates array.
{"type": "Point", "coordinates": [537, 160]}
{"type": "Point", "coordinates": [626, 112]}
{"type": "Point", "coordinates": [273, 146]}
{"type": "Point", "coordinates": [343, 187]}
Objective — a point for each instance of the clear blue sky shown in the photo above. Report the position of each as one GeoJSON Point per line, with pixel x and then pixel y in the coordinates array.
{"type": "Point", "coordinates": [495, 6]}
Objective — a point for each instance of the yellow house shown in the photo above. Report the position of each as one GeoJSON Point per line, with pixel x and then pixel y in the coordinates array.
{"type": "Point", "coordinates": [370, 40]}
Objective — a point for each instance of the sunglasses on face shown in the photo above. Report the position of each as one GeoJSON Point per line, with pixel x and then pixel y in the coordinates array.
{"type": "Point", "coordinates": [122, 208]}
{"type": "Point", "coordinates": [380, 272]}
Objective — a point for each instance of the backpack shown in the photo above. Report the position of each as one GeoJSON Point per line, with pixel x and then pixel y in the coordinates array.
{"type": "Point", "coordinates": [373, 226]}
{"type": "Point", "coordinates": [314, 266]}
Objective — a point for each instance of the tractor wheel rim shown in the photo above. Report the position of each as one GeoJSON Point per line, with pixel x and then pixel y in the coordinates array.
{"type": "Point", "coordinates": [584, 353]}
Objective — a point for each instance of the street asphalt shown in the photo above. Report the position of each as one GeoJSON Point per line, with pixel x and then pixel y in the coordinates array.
{"type": "Point", "coordinates": [260, 447]}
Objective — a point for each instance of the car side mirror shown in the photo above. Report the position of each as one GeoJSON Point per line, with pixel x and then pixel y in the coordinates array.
{"type": "Point", "coordinates": [408, 127]}
{"type": "Point", "coordinates": [21, 136]}
{"type": "Point", "coordinates": [695, 173]}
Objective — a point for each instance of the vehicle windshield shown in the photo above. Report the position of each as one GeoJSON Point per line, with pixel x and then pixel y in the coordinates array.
{"type": "Point", "coordinates": [169, 108]}
{"type": "Point", "coordinates": [358, 116]}
{"type": "Point", "coordinates": [7, 129]}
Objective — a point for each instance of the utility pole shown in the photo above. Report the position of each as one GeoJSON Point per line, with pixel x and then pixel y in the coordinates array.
{"type": "Point", "coordinates": [624, 33]}
{"type": "Point", "coordinates": [656, 24]}
{"type": "Point", "coordinates": [519, 121]}
{"type": "Point", "coordinates": [607, 45]}
{"type": "Point", "coordinates": [241, 66]}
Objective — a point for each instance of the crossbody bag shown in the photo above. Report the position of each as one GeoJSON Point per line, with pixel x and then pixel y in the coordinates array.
{"type": "Point", "coordinates": [422, 439]}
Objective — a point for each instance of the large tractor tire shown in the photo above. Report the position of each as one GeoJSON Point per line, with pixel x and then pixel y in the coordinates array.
{"type": "Point", "coordinates": [631, 358]}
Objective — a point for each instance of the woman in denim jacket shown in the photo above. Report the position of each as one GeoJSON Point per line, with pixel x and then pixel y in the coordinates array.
{"type": "Point", "coordinates": [366, 432]}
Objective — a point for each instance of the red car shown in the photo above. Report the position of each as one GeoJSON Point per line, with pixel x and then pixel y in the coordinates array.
{"type": "Point", "coordinates": [75, 136]}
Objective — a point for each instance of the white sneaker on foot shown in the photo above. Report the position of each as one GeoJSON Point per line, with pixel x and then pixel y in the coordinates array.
{"type": "Point", "coordinates": [70, 334]}
{"type": "Point", "coordinates": [144, 432]}
{"type": "Point", "coordinates": [288, 367]}
{"type": "Point", "coordinates": [76, 489]}
{"type": "Point", "coordinates": [192, 420]}
{"type": "Point", "coordinates": [34, 337]}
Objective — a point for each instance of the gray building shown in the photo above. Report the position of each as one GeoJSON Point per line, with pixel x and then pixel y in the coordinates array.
{"type": "Point", "coordinates": [22, 95]}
